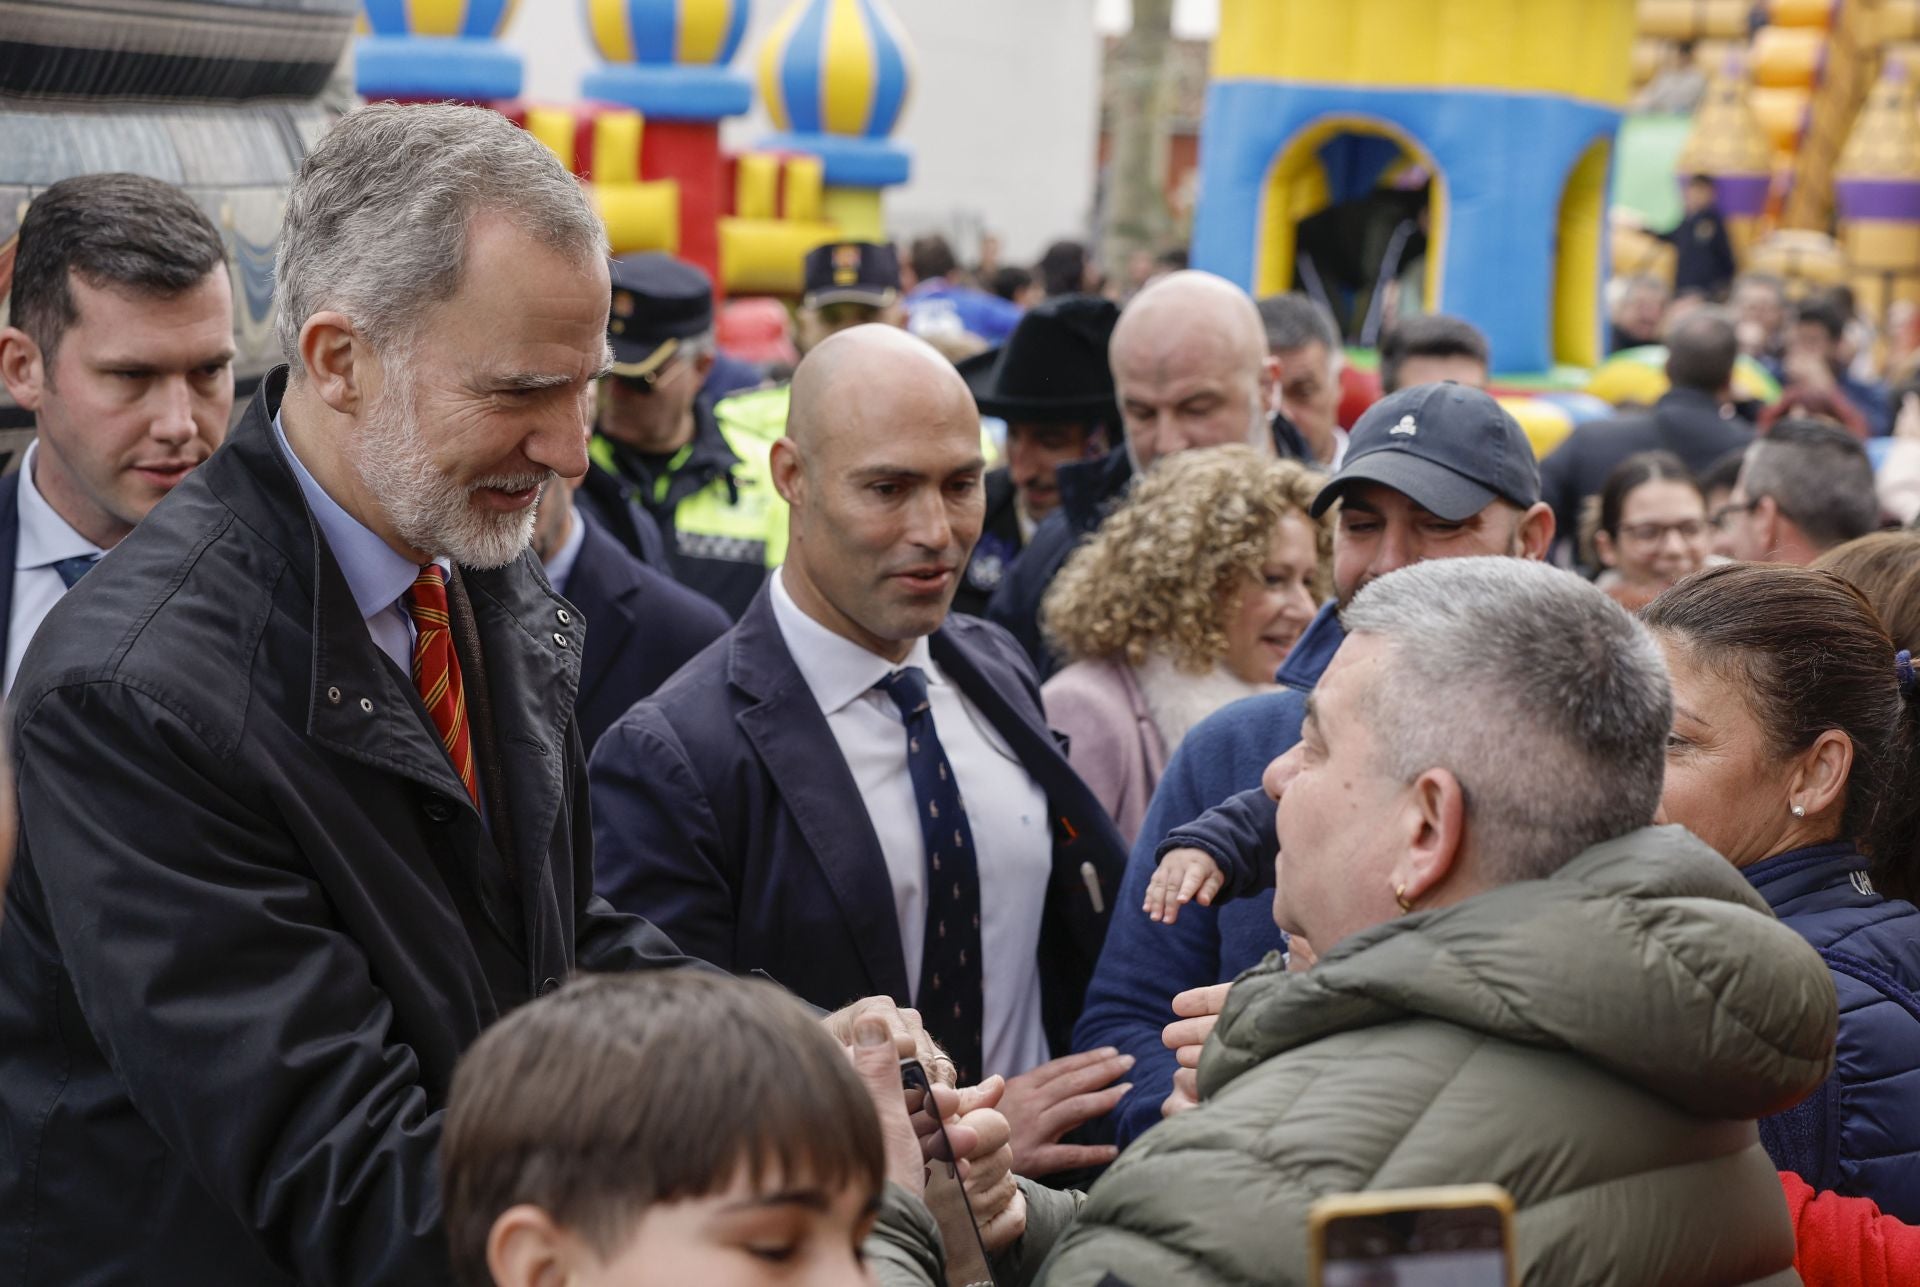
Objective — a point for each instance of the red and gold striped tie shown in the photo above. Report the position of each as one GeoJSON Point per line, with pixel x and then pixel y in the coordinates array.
{"type": "Point", "coordinates": [436, 672]}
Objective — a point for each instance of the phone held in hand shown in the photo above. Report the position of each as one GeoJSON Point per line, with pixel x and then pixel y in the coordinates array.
{"type": "Point", "coordinates": [945, 1195]}
{"type": "Point", "coordinates": [1454, 1236]}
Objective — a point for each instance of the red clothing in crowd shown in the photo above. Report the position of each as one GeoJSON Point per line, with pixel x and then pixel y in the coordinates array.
{"type": "Point", "coordinates": [1846, 1242]}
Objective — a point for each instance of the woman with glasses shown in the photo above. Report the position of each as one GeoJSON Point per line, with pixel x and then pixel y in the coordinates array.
{"type": "Point", "coordinates": [1651, 529]}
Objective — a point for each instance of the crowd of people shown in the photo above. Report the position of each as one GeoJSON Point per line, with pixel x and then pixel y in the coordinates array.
{"type": "Point", "coordinates": [530, 800]}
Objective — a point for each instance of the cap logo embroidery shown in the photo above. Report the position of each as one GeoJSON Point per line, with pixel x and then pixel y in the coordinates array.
{"type": "Point", "coordinates": [846, 265]}
{"type": "Point", "coordinates": [1406, 428]}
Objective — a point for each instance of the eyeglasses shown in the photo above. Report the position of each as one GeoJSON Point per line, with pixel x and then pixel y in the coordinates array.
{"type": "Point", "coordinates": [1688, 529]}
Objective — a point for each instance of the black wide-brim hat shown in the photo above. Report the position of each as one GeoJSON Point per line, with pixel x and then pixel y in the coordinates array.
{"type": "Point", "coordinates": [1053, 367]}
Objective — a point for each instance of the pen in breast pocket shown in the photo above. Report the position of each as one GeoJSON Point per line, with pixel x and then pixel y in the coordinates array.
{"type": "Point", "coordinates": [1091, 879]}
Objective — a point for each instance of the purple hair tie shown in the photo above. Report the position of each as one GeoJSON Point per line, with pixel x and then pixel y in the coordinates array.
{"type": "Point", "coordinates": [1903, 670]}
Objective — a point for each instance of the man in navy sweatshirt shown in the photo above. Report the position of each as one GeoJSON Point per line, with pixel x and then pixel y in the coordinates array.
{"type": "Point", "coordinates": [1434, 471]}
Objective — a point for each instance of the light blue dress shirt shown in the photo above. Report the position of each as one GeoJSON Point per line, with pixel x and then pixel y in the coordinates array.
{"type": "Point", "coordinates": [378, 576]}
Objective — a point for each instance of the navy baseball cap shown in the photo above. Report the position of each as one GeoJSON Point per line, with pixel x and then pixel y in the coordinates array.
{"type": "Point", "coordinates": [1449, 449]}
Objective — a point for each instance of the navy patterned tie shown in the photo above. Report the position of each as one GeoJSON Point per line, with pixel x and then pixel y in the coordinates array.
{"type": "Point", "coordinates": [949, 997]}
{"type": "Point", "coordinates": [71, 570]}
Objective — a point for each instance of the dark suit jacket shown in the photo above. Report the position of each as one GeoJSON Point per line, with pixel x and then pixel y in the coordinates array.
{"type": "Point", "coordinates": [642, 625]}
{"type": "Point", "coordinates": [722, 805]}
{"type": "Point", "coordinates": [256, 918]}
{"type": "Point", "coordinates": [998, 547]}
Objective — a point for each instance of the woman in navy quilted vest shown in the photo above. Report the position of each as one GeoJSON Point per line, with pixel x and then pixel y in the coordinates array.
{"type": "Point", "coordinates": [1794, 753]}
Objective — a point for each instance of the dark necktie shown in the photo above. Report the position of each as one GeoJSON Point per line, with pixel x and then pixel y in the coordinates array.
{"type": "Point", "coordinates": [71, 570]}
{"type": "Point", "coordinates": [949, 997]}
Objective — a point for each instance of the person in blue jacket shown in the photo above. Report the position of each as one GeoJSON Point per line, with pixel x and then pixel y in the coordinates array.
{"type": "Point", "coordinates": [1795, 746]}
{"type": "Point", "coordinates": [1434, 471]}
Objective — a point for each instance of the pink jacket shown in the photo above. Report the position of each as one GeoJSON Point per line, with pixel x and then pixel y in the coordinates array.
{"type": "Point", "coordinates": [1116, 749]}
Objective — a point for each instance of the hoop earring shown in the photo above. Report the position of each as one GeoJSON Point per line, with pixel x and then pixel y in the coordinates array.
{"type": "Point", "coordinates": [1798, 810]}
{"type": "Point", "coordinates": [1400, 897]}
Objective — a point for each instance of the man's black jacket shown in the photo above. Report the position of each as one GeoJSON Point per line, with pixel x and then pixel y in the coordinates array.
{"type": "Point", "coordinates": [255, 918]}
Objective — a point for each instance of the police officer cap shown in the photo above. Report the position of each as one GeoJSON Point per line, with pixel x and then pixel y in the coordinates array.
{"type": "Point", "coordinates": [852, 272]}
{"type": "Point", "coordinates": [658, 302]}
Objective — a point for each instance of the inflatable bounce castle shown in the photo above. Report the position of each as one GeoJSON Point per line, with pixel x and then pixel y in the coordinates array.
{"type": "Point", "coordinates": [1496, 116]}
{"type": "Point", "coordinates": [834, 75]}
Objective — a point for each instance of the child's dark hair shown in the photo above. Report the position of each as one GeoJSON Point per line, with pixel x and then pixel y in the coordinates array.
{"type": "Point", "coordinates": [620, 1091]}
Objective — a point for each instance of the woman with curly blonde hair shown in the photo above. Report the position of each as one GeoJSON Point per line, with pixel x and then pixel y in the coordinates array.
{"type": "Point", "coordinates": [1189, 597]}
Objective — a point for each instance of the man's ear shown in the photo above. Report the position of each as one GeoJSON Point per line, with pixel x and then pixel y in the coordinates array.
{"type": "Point", "coordinates": [1535, 534]}
{"type": "Point", "coordinates": [1767, 521]}
{"type": "Point", "coordinates": [704, 363]}
{"type": "Point", "coordinates": [1438, 823]}
{"type": "Point", "coordinates": [525, 1248]}
{"type": "Point", "coordinates": [1270, 383]}
{"type": "Point", "coordinates": [333, 359]}
{"type": "Point", "coordinates": [788, 477]}
{"type": "Point", "coordinates": [23, 367]}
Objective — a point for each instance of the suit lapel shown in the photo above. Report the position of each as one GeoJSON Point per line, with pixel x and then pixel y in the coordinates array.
{"type": "Point", "coordinates": [601, 585]}
{"type": "Point", "coordinates": [986, 681]}
{"type": "Point", "coordinates": [812, 781]}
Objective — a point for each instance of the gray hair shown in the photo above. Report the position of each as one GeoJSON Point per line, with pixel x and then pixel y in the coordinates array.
{"type": "Point", "coordinates": [1293, 321]}
{"type": "Point", "coordinates": [377, 221]}
{"type": "Point", "coordinates": [1546, 701]}
{"type": "Point", "coordinates": [1820, 477]}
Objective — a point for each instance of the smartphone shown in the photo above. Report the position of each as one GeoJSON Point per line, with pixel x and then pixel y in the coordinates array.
{"type": "Point", "coordinates": [1457, 1236]}
{"type": "Point", "coordinates": [945, 1195]}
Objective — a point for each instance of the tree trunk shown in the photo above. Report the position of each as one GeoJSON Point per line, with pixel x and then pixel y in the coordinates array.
{"type": "Point", "coordinates": [1136, 202]}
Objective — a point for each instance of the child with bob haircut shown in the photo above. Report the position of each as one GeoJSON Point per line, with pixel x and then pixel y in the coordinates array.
{"type": "Point", "coordinates": [664, 1128]}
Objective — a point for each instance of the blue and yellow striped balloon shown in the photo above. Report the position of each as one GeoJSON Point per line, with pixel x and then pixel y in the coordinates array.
{"type": "Point", "coordinates": [482, 19]}
{"type": "Point", "coordinates": [662, 32]}
{"type": "Point", "coordinates": [835, 67]}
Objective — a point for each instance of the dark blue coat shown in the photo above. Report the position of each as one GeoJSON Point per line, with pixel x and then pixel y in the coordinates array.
{"type": "Point", "coordinates": [722, 803]}
{"type": "Point", "coordinates": [642, 625]}
{"type": "Point", "coordinates": [1858, 1134]}
{"type": "Point", "coordinates": [1143, 964]}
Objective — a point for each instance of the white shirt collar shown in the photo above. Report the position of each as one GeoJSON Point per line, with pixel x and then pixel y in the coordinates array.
{"type": "Point", "coordinates": [836, 669]}
{"type": "Point", "coordinates": [375, 572]}
{"type": "Point", "coordinates": [45, 537]}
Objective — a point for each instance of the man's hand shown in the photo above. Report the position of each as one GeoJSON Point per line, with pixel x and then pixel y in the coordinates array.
{"type": "Point", "coordinates": [1199, 1011]}
{"type": "Point", "coordinates": [877, 1060]}
{"type": "Point", "coordinates": [999, 1208]}
{"type": "Point", "coordinates": [910, 1037]}
{"type": "Point", "coordinates": [1183, 876]}
{"type": "Point", "coordinates": [1046, 1102]}
{"type": "Point", "coordinates": [1184, 1095]}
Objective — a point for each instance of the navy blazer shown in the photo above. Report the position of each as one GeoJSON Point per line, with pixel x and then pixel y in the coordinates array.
{"type": "Point", "coordinates": [723, 806]}
{"type": "Point", "coordinates": [642, 625]}
{"type": "Point", "coordinates": [9, 547]}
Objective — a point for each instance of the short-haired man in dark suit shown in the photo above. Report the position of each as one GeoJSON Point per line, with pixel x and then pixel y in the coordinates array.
{"type": "Point", "coordinates": [855, 791]}
{"type": "Point", "coordinates": [121, 345]}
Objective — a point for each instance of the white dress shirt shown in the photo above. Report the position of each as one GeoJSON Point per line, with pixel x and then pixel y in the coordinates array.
{"type": "Point", "coordinates": [45, 539]}
{"type": "Point", "coordinates": [1006, 810]}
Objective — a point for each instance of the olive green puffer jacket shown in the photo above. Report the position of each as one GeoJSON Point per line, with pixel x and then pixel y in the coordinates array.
{"type": "Point", "coordinates": [1598, 1042]}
